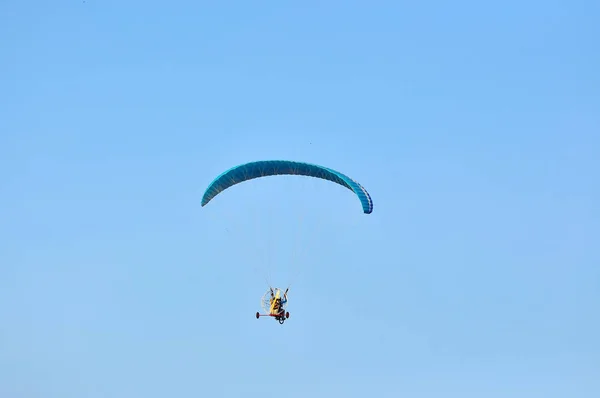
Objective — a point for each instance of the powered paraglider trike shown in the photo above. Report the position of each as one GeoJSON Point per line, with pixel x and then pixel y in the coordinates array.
{"type": "Point", "coordinates": [274, 305]}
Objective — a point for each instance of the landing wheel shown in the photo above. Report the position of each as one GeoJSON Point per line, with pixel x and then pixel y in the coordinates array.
{"type": "Point", "coordinates": [281, 320]}
{"type": "Point", "coordinates": [287, 314]}
{"type": "Point", "coordinates": [257, 315]}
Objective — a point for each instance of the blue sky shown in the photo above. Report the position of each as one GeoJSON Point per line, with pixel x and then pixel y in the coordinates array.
{"type": "Point", "coordinates": [474, 126]}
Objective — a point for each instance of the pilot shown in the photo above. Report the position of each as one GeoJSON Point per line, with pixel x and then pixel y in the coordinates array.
{"type": "Point", "coordinates": [277, 306]}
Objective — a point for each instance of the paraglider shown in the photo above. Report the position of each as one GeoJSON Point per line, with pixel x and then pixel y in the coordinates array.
{"type": "Point", "coordinates": [273, 302]}
{"type": "Point", "coordinates": [275, 305]}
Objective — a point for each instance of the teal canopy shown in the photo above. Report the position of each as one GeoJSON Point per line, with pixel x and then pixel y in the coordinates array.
{"type": "Point", "coordinates": [264, 168]}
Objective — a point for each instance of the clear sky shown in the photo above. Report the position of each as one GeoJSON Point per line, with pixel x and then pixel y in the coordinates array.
{"type": "Point", "coordinates": [474, 126]}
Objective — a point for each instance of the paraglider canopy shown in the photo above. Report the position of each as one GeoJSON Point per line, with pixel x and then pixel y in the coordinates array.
{"type": "Point", "coordinates": [264, 168]}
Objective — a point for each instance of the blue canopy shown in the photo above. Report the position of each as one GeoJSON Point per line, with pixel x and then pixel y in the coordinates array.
{"type": "Point", "coordinates": [264, 168]}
